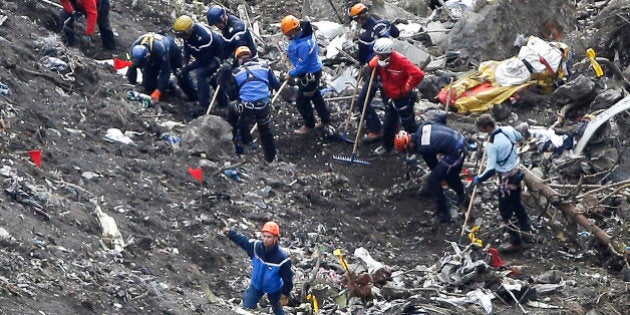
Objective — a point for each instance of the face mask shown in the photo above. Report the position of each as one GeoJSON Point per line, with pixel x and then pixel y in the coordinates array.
{"type": "Point", "coordinates": [383, 63]}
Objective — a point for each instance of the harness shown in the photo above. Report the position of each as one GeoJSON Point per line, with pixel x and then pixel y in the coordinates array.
{"type": "Point", "coordinates": [250, 76]}
{"type": "Point", "coordinates": [148, 41]}
{"type": "Point", "coordinates": [492, 135]}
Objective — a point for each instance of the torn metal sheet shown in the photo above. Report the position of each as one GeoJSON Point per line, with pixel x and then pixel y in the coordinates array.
{"type": "Point", "coordinates": [599, 120]}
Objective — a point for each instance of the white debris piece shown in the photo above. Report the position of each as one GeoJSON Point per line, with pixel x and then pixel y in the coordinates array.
{"type": "Point", "coordinates": [111, 235]}
{"type": "Point", "coordinates": [116, 135]}
{"type": "Point", "coordinates": [478, 297]}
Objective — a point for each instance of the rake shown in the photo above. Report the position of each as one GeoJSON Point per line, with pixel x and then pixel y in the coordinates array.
{"type": "Point", "coordinates": [344, 136]}
{"type": "Point", "coordinates": [353, 157]}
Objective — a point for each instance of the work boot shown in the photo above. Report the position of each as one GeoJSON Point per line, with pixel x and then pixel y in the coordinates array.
{"type": "Point", "coordinates": [322, 125]}
{"type": "Point", "coordinates": [302, 131]}
{"type": "Point", "coordinates": [529, 238]}
{"type": "Point", "coordinates": [510, 248]}
{"type": "Point", "coordinates": [250, 148]}
{"type": "Point", "coordinates": [371, 137]}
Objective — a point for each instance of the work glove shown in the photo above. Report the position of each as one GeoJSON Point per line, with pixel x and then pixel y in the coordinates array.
{"type": "Point", "coordinates": [155, 96]}
{"type": "Point", "coordinates": [227, 65]}
{"type": "Point", "coordinates": [284, 300]}
{"type": "Point", "coordinates": [76, 15]}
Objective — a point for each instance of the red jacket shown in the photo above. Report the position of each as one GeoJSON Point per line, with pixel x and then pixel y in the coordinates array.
{"type": "Point", "coordinates": [399, 77]}
{"type": "Point", "coordinates": [88, 7]}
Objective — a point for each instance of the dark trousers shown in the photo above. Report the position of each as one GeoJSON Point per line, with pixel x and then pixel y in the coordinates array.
{"type": "Point", "coordinates": [510, 205]}
{"type": "Point", "coordinates": [102, 20]}
{"type": "Point", "coordinates": [308, 92]}
{"type": "Point", "coordinates": [450, 173]}
{"type": "Point", "coordinates": [241, 116]}
{"type": "Point", "coordinates": [397, 112]}
{"type": "Point", "coordinates": [372, 122]}
{"type": "Point", "coordinates": [252, 296]}
{"type": "Point", "coordinates": [205, 80]}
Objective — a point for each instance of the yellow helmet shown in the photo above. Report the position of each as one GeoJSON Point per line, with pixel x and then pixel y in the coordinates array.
{"type": "Point", "coordinates": [183, 24]}
{"type": "Point", "coordinates": [242, 50]}
{"type": "Point", "coordinates": [289, 23]}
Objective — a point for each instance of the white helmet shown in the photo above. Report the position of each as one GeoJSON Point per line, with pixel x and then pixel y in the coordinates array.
{"type": "Point", "coordinates": [383, 45]}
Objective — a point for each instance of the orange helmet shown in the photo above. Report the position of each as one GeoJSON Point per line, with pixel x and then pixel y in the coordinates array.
{"type": "Point", "coordinates": [402, 139]}
{"type": "Point", "coordinates": [271, 227]}
{"type": "Point", "coordinates": [289, 23]}
{"type": "Point", "coordinates": [241, 51]}
{"type": "Point", "coordinates": [357, 10]}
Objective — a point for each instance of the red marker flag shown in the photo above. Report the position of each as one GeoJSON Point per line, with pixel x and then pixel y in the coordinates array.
{"type": "Point", "coordinates": [121, 63]}
{"type": "Point", "coordinates": [36, 157]}
{"type": "Point", "coordinates": [197, 173]}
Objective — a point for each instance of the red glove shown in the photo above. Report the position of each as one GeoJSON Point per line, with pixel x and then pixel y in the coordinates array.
{"type": "Point", "coordinates": [155, 96]}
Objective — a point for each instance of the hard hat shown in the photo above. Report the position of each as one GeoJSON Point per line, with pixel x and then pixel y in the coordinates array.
{"type": "Point", "coordinates": [139, 54]}
{"type": "Point", "coordinates": [383, 45]}
{"type": "Point", "coordinates": [289, 23]}
{"type": "Point", "coordinates": [402, 139]}
{"type": "Point", "coordinates": [357, 10]}
{"type": "Point", "coordinates": [271, 227]}
{"type": "Point", "coordinates": [183, 24]}
{"type": "Point", "coordinates": [215, 13]}
{"type": "Point", "coordinates": [242, 50]}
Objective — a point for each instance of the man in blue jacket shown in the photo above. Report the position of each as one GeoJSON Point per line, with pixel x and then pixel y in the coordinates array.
{"type": "Point", "coordinates": [157, 56]}
{"type": "Point", "coordinates": [271, 274]}
{"type": "Point", "coordinates": [502, 159]}
{"type": "Point", "coordinates": [373, 30]}
{"type": "Point", "coordinates": [254, 82]}
{"type": "Point", "coordinates": [233, 31]}
{"type": "Point", "coordinates": [207, 48]}
{"type": "Point", "coordinates": [303, 54]}
{"type": "Point", "coordinates": [431, 139]}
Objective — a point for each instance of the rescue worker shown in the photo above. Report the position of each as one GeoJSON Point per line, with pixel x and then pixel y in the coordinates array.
{"type": "Point", "coordinates": [157, 56]}
{"type": "Point", "coordinates": [373, 29]}
{"type": "Point", "coordinates": [502, 159]}
{"type": "Point", "coordinates": [253, 80]}
{"type": "Point", "coordinates": [399, 78]}
{"type": "Point", "coordinates": [431, 139]}
{"type": "Point", "coordinates": [96, 12]}
{"type": "Point", "coordinates": [271, 274]}
{"type": "Point", "coordinates": [303, 54]}
{"type": "Point", "coordinates": [206, 47]}
{"type": "Point", "coordinates": [233, 31]}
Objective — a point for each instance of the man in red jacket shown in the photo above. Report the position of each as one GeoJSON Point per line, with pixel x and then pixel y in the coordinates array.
{"type": "Point", "coordinates": [399, 77]}
{"type": "Point", "coordinates": [96, 12]}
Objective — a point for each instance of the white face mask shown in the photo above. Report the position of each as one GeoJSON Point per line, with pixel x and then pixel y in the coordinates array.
{"type": "Point", "coordinates": [383, 63]}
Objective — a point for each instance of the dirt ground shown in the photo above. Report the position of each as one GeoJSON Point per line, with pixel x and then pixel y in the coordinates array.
{"type": "Point", "coordinates": [175, 261]}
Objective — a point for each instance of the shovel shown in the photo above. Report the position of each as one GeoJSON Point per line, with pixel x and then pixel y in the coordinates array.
{"type": "Point", "coordinates": [353, 156]}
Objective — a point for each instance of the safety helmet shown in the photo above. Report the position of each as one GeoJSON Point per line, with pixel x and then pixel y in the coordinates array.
{"type": "Point", "coordinates": [183, 24]}
{"type": "Point", "coordinates": [383, 45]}
{"type": "Point", "coordinates": [242, 50]}
{"type": "Point", "coordinates": [289, 23]}
{"type": "Point", "coordinates": [215, 13]}
{"type": "Point", "coordinates": [271, 227]}
{"type": "Point", "coordinates": [139, 54]}
{"type": "Point", "coordinates": [402, 139]}
{"type": "Point", "coordinates": [357, 10]}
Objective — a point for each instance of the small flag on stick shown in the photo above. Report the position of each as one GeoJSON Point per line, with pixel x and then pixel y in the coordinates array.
{"type": "Point", "coordinates": [197, 173]}
{"type": "Point", "coordinates": [36, 157]}
{"type": "Point", "coordinates": [121, 63]}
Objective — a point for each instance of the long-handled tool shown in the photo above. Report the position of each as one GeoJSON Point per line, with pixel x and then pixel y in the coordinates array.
{"type": "Point", "coordinates": [273, 100]}
{"type": "Point", "coordinates": [214, 98]}
{"type": "Point", "coordinates": [344, 135]}
{"type": "Point", "coordinates": [353, 156]}
{"type": "Point", "coordinates": [472, 199]}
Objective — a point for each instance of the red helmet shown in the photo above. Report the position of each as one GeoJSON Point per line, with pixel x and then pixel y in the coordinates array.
{"type": "Point", "coordinates": [271, 227]}
{"type": "Point", "coordinates": [402, 139]}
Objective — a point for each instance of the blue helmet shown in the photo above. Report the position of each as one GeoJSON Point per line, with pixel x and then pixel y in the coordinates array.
{"type": "Point", "coordinates": [139, 55]}
{"type": "Point", "coordinates": [215, 13]}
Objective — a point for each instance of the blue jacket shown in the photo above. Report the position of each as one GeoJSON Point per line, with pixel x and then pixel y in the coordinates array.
{"type": "Point", "coordinates": [161, 48]}
{"type": "Point", "coordinates": [254, 81]}
{"type": "Point", "coordinates": [374, 29]}
{"type": "Point", "coordinates": [205, 45]}
{"type": "Point", "coordinates": [271, 267]}
{"type": "Point", "coordinates": [303, 52]}
{"type": "Point", "coordinates": [434, 138]}
{"type": "Point", "coordinates": [235, 35]}
{"type": "Point", "coordinates": [502, 152]}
